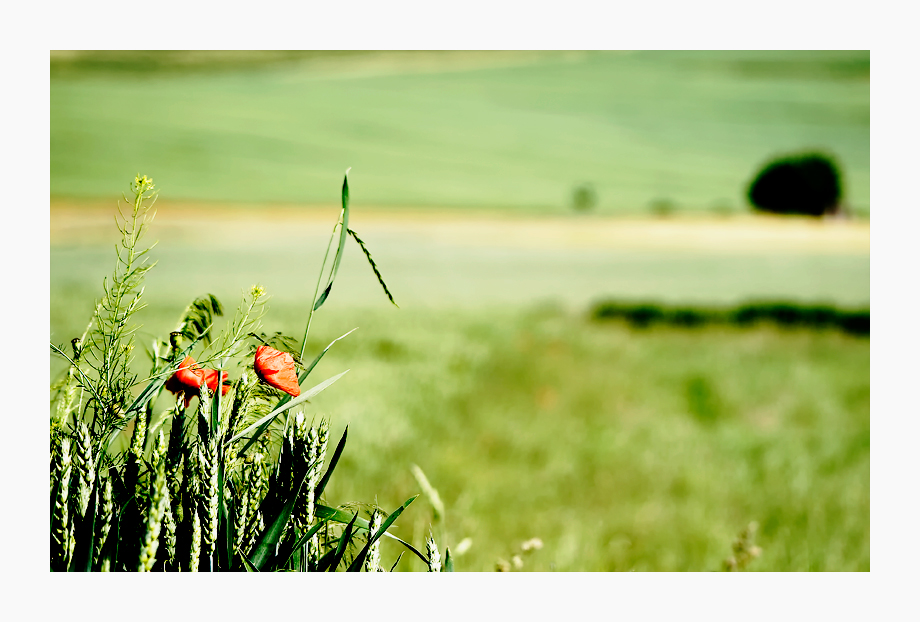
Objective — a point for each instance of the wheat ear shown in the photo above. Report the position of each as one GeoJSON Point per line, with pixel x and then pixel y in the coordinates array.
{"type": "Point", "coordinates": [159, 500]}
{"type": "Point", "coordinates": [62, 531]}
{"type": "Point", "coordinates": [103, 518]}
{"type": "Point", "coordinates": [195, 550]}
{"type": "Point", "coordinates": [434, 557]}
{"type": "Point", "coordinates": [372, 561]}
{"type": "Point", "coordinates": [86, 473]}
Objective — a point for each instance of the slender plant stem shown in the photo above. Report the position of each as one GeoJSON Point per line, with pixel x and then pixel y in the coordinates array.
{"type": "Point", "coordinates": [319, 280]}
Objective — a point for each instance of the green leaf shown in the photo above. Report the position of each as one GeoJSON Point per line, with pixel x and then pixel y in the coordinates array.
{"type": "Point", "coordinates": [334, 460]}
{"type": "Point", "coordinates": [397, 561]}
{"type": "Point", "coordinates": [226, 518]}
{"type": "Point", "coordinates": [265, 548]}
{"type": "Point", "coordinates": [303, 540]}
{"type": "Point", "coordinates": [215, 403]}
{"type": "Point", "coordinates": [262, 423]}
{"type": "Point", "coordinates": [85, 534]}
{"type": "Point", "coordinates": [343, 235]}
{"type": "Point", "coordinates": [152, 388]}
{"type": "Point", "coordinates": [339, 516]}
{"type": "Point", "coordinates": [198, 318]}
{"type": "Point", "coordinates": [343, 544]}
{"type": "Point", "coordinates": [306, 372]}
{"type": "Point", "coordinates": [448, 561]}
{"type": "Point", "coordinates": [303, 375]}
{"type": "Point", "coordinates": [359, 560]}
{"type": "Point", "coordinates": [248, 564]}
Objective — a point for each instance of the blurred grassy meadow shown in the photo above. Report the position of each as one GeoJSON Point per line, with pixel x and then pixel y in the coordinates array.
{"type": "Point", "coordinates": [621, 448]}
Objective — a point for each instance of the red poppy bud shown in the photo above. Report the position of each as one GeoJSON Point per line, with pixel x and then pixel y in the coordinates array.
{"type": "Point", "coordinates": [276, 368]}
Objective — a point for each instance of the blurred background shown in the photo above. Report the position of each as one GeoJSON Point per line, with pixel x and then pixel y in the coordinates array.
{"type": "Point", "coordinates": [633, 287]}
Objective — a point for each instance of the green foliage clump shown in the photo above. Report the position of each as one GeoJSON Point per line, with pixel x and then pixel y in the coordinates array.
{"type": "Point", "coordinates": [234, 483]}
{"type": "Point", "coordinates": [807, 184]}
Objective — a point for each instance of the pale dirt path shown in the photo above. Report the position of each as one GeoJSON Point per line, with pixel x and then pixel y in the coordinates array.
{"type": "Point", "coordinates": [474, 260]}
{"type": "Point", "coordinates": [92, 223]}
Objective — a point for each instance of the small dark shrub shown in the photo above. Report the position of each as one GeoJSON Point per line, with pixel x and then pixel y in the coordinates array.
{"type": "Point", "coordinates": [662, 207]}
{"type": "Point", "coordinates": [702, 399]}
{"type": "Point", "coordinates": [808, 184]}
{"type": "Point", "coordinates": [584, 197]}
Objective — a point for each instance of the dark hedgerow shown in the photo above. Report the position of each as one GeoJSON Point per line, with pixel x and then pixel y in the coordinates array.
{"type": "Point", "coordinates": [787, 314]}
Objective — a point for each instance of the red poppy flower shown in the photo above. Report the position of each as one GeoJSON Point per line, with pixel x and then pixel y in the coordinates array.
{"type": "Point", "coordinates": [189, 378]}
{"type": "Point", "coordinates": [210, 377]}
{"type": "Point", "coordinates": [277, 369]}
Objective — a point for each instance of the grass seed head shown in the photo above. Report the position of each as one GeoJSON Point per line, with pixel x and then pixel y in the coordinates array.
{"type": "Point", "coordinates": [104, 513]}
{"type": "Point", "coordinates": [372, 561]}
{"type": "Point", "coordinates": [195, 549]}
{"type": "Point", "coordinates": [434, 557]}
{"type": "Point", "coordinates": [63, 528]}
{"type": "Point", "coordinates": [139, 437]}
{"type": "Point", "coordinates": [156, 509]}
{"type": "Point", "coordinates": [86, 473]}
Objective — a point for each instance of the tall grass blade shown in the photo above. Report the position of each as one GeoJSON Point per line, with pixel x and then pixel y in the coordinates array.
{"type": "Point", "coordinates": [343, 235]}
{"type": "Point", "coordinates": [266, 547]}
{"type": "Point", "coordinates": [334, 460]}
{"type": "Point", "coordinates": [323, 511]}
{"type": "Point", "coordinates": [262, 424]}
{"type": "Point", "coordinates": [359, 560]}
{"type": "Point", "coordinates": [225, 520]}
{"type": "Point", "coordinates": [343, 544]}
{"type": "Point", "coordinates": [448, 561]}
{"type": "Point", "coordinates": [393, 567]}
{"type": "Point", "coordinates": [303, 375]}
{"type": "Point", "coordinates": [85, 535]}
{"type": "Point", "coordinates": [303, 540]}
{"type": "Point", "coordinates": [248, 564]}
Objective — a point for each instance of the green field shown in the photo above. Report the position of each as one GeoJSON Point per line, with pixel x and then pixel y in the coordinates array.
{"type": "Point", "coordinates": [622, 449]}
{"type": "Point", "coordinates": [510, 131]}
